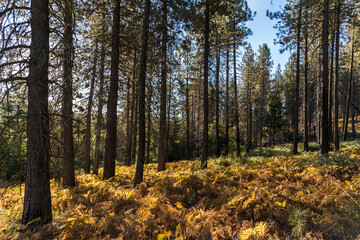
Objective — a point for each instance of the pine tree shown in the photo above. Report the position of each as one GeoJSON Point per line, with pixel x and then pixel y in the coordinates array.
{"type": "Point", "coordinates": [142, 80]}
{"type": "Point", "coordinates": [37, 199]}
{"type": "Point", "coordinates": [111, 118]}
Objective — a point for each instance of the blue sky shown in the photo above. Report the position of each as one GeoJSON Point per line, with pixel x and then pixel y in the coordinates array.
{"type": "Point", "coordinates": [263, 31]}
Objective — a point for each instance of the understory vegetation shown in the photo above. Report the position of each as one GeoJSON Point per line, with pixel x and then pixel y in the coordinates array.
{"type": "Point", "coordinates": [267, 194]}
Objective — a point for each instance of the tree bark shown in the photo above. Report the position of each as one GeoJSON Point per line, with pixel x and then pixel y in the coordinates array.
{"type": "Point", "coordinates": [262, 109]}
{"type": "Point", "coordinates": [99, 110]}
{"type": "Point", "coordinates": [128, 121]}
{"type": "Point", "coordinates": [148, 134]}
{"type": "Point", "coordinates": [331, 82]}
{"type": "Point", "coordinates": [349, 90]}
{"type": "Point", "coordinates": [142, 82]}
{"type": "Point", "coordinates": [67, 112]}
{"type": "Point", "coordinates": [132, 126]}
{"type": "Point", "coordinates": [206, 76]}
{"type": "Point", "coordinates": [297, 83]}
{"type": "Point", "coordinates": [237, 131]}
{"type": "Point", "coordinates": [135, 126]}
{"type": "Point", "coordinates": [227, 103]}
{"type": "Point", "coordinates": [88, 115]}
{"type": "Point", "coordinates": [306, 89]}
{"type": "Point", "coordinates": [188, 150]}
{"type": "Point", "coordinates": [163, 135]}
{"type": "Point", "coordinates": [169, 112]}
{"type": "Point", "coordinates": [217, 100]}
{"type": "Point", "coordinates": [111, 118]}
{"type": "Point", "coordinates": [318, 101]}
{"type": "Point", "coordinates": [249, 117]}
{"type": "Point", "coordinates": [353, 111]}
{"type": "Point", "coordinates": [37, 200]}
{"type": "Point", "coordinates": [325, 139]}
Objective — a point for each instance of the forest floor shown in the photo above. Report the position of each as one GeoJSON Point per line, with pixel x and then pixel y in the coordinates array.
{"type": "Point", "coordinates": [274, 195]}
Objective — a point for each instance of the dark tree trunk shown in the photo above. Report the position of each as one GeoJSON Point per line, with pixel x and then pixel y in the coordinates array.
{"type": "Point", "coordinates": [132, 126]}
{"type": "Point", "coordinates": [311, 108]}
{"type": "Point", "coordinates": [111, 118]}
{"type": "Point", "coordinates": [262, 109]}
{"type": "Point", "coordinates": [297, 84]}
{"type": "Point", "coordinates": [99, 110]}
{"type": "Point", "coordinates": [67, 112]}
{"type": "Point", "coordinates": [249, 118]}
{"type": "Point", "coordinates": [237, 131]}
{"type": "Point", "coordinates": [349, 90]}
{"type": "Point", "coordinates": [331, 82]}
{"type": "Point", "coordinates": [198, 137]}
{"type": "Point", "coordinates": [142, 82]}
{"type": "Point", "coordinates": [88, 115]}
{"type": "Point", "coordinates": [148, 134]}
{"type": "Point", "coordinates": [206, 76]}
{"type": "Point", "coordinates": [227, 103]}
{"type": "Point", "coordinates": [135, 126]}
{"type": "Point", "coordinates": [187, 116]}
{"type": "Point", "coordinates": [353, 111]}
{"type": "Point", "coordinates": [37, 200]}
{"type": "Point", "coordinates": [325, 139]}
{"type": "Point", "coordinates": [128, 121]}
{"type": "Point", "coordinates": [306, 89]}
{"type": "Point", "coordinates": [169, 111]}
{"type": "Point", "coordinates": [343, 110]}
{"type": "Point", "coordinates": [163, 135]}
{"type": "Point", "coordinates": [318, 102]}
{"type": "Point", "coordinates": [217, 101]}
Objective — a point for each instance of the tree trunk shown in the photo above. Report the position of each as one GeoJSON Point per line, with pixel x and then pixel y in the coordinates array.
{"type": "Point", "coordinates": [318, 102]}
{"type": "Point", "coordinates": [237, 131]}
{"type": "Point", "coordinates": [227, 103]}
{"type": "Point", "coordinates": [163, 135]}
{"type": "Point", "coordinates": [142, 82]}
{"type": "Point", "coordinates": [198, 137]}
{"type": "Point", "coordinates": [135, 126]}
{"type": "Point", "coordinates": [67, 112]}
{"type": "Point", "coordinates": [88, 115]}
{"type": "Point", "coordinates": [132, 126]}
{"type": "Point", "coordinates": [262, 109]}
{"type": "Point", "coordinates": [128, 122]}
{"type": "Point", "coordinates": [37, 200]}
{"type": "Point", "coordinates": [249, 118]}
{"type": "Point", "coordinates": [348, 96]}
{"type": "Point", "coordinates": [325, 139]}
{"type": "Point", "coordinates": [297, 84]}
{"type": "Point", "coordinates": [99, 110]}
{"type": "Point", "coordinates": [306, 90]}
{"type": "Point", "coordinates": [111, 118]}
{"type": "Point", "coordinates": [169, 111]}
{"type": "Point", "coordinates": [353, 111]}
{"type": "Point", "coordinates": [331, 82]}
{"type": "Point", "coordinates": [310, 107]}
{"type": "Point", "coordinates": [148, 134]}
{"type": "Point", "coordinates": [187, 116]}
{"type": "Point", "coordinates": [206, 76]}
{"type": "Point", "coordinates": [217, 93]}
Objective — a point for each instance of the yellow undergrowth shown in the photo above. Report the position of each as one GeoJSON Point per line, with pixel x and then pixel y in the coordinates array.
{"type": "Point", "coordinates": [302, 196]}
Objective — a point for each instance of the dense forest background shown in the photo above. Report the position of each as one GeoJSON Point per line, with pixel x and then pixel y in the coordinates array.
{"type": "Point", "coordinates": [92, 84]}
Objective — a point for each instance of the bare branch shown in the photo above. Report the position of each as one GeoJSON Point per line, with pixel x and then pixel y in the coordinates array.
{"type": "Point", "coordinates": [62, 116]}
{"type": "Point", "coordinates": [11, 79]}
{"type": "Point", "coordinates": [2, 13]}
{"type": "Point", "coordinates": [2, 51]}
{"type": "Point", "coordinates": [11, 63]}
